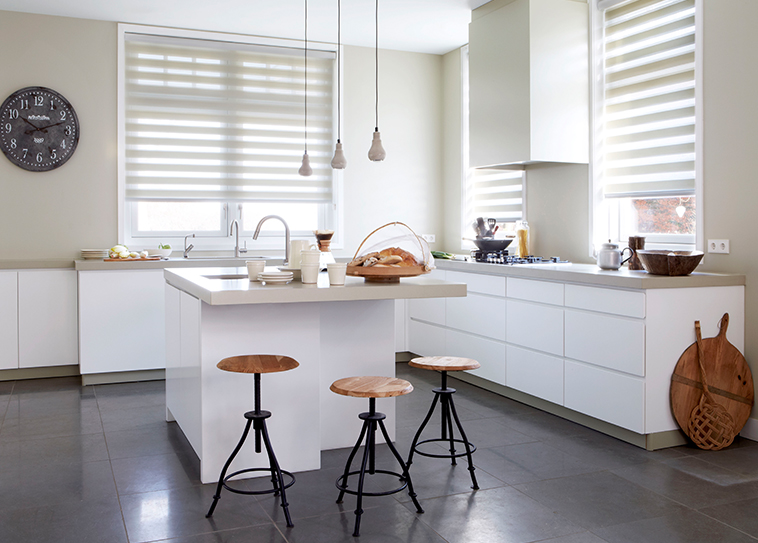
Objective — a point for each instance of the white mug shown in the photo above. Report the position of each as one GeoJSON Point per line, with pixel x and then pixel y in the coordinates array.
{"type": "Point", "coordinates": [296, 246]}
{"type": "Point", "coordinates": [309, 273]}
{"type": "Point", "coordinates": [310, 256]}
{"type": "Point", "coordinates": [337, 272]}
{"type": "Point", "coordinates": [254, 267]}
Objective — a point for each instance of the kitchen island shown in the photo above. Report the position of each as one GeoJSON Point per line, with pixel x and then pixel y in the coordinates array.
{"type": "Point", "coordinates": [333, 332]}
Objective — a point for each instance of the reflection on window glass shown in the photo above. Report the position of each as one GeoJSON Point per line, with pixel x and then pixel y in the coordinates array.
{"type": "Point", "coordinates": [659, 215]}
{"type": "Point", "coordinates": [179, 216]}
{"type": "Point", "coordinates": [299, 217]}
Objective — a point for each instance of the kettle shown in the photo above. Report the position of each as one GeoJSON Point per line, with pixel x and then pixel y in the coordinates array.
{"type": "Point", "coordinates": [609, 257]}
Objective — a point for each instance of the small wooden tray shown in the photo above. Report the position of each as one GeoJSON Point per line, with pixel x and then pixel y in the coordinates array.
{"type": "Point", "coordinates": [385, 274]}
{"type": "Point", "coordinates": [131, 259]}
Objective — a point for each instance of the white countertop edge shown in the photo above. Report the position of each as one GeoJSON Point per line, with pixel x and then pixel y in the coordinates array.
{"type": "Point", "coordinates": [590, 274]}
{"type": "Point", "coordinates": [242, 291]}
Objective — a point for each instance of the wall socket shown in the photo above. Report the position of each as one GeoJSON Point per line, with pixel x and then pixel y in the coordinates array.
{"type": "Point", "coordinates": [428, 237]}
{"type": "Point", "coordinates": [718, 246]}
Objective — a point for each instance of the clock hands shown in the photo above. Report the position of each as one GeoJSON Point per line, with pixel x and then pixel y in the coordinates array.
{"type": "Point", "coordinates": [36, 129]}
{"type": "Point", "coordinates": [43, 129]}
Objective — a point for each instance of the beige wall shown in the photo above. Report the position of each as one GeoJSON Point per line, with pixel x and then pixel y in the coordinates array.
{"type": "Point", "coordinates": [56, 214]}
{"type": "Point", "coordinates": [452, 153]}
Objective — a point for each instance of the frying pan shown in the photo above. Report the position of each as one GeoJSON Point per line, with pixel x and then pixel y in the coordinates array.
{"type": "Point", "coordinates": [491, 244]}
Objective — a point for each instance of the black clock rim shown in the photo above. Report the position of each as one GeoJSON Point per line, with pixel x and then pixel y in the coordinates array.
{"type": "Point", "coordinates": [31, 168]}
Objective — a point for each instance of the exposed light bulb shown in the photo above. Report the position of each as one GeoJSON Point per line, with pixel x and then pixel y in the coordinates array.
{"type": "Point", "coordinates": [305, 170]}
{"type": "Point", "coordinates": [376, 153]}
{"type": "Point", "coordinates": [680, 209]}
{"type": "Point", "coordinates": [339, 162]}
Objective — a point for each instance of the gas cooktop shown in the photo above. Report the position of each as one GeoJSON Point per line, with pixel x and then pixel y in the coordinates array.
{"type": "Point", "coordinates": [502, 257]}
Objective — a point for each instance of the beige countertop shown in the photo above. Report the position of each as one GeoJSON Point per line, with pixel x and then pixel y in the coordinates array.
{"type": "Point", "coordinates": [173, 262]}
{"type": "Point", "coordinates": [590, 274]}
{"type": "Point", "coordinates": [213, 291]}
{"type": "Point", "coordinates": [34, 264]}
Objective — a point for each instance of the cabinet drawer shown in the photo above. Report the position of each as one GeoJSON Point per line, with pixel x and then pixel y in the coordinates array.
{"type": "Point", "coordinates": [482, 284]}
{"type": "Point", "coordinates": [8, 320]}
{"type": "Point", "coordinates": [535, 373]}
{"type": "Point", "coordinates": [617, 302]}
{"type": "Point", "coordinates": [477, 314]}
{"type": "Point", "coordinates": [606, 395]}
{"type": "Point", "coordinates": [535, 326]}
{"type": "Point", "coordinates": [427, 309]}
{"type": "Point", "coordinates": [535, 291]}
{"type": "Point", "coordinates": [612, 342]}
{"type": "Point", "coordinates": [490, 354]}
{"type": "Point", "coordinates": [426, 339]}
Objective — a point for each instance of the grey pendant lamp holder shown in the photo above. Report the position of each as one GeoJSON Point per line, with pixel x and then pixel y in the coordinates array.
{"type": "Point", "coordinates": [376, 153]}
{"type": "Point", "coordinates": [339, 162]}
{"type": "Point", "coordinates": [306, 170]}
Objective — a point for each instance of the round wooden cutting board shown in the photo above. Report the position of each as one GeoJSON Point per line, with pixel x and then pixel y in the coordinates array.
{"type": "Point", "coordinates": [726, 372]}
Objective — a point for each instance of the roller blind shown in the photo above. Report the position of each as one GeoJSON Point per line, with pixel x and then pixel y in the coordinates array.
{"type": "Point", "coordinates": [496, 194]}
{"type": "Point", "coordinates": [648, 129]}
{"type": "Point", "coordinates": [209, 120]}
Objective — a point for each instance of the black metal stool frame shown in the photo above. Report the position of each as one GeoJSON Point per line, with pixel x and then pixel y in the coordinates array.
{"type": "Point", "coordinates": [371, 420]}
{"type": "Point", "coordinates": [444, 395]}
{"type": "Point", "coordinates": [257, 419]}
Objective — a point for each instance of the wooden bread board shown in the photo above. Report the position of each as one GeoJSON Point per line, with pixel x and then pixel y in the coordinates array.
{"type": "Point", "coordinates": [727, 374]}
{"type": "Point", "coordinates": [385, 274]}
{"type": "Point", "coordinates": [131, 259]}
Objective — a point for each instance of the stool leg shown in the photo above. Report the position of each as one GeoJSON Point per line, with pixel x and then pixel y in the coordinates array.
{"type": "Point", "coordinates": [275, 470]}
{"type": "Point", "coordinates": [217, 495]}
{"type": "Point", "coordinates": [421, 429]}
{"type": "Point", "coordinates": [471, 467]}
{"type": "Point", "coordinates": [406, 474]}
{"type": "Point", "coordinates": [362, 476]}
{"type": "Point", "coordinates": [447, 417]}
{"type": "Point", "coordinates": [350, 459]}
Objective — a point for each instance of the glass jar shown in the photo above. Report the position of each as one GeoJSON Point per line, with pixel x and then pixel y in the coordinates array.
{"type": "Point", "coordinates": [522, 239]}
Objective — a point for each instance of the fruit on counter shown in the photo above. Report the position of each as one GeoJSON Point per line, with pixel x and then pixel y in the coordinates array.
{"type": "Point", "coordinates": [443, 255]}
{"type": "Point", "coordinates": [143, 254]}
{"type": "Point", "coordinates": [164, 246]}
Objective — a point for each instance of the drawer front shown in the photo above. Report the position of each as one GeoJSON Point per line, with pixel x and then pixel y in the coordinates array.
{"type": "Point", "coordinates": [535, 291]}
{"type": "Point", "coordinates": [426, 339]}
{"type": "Point", "coordinates": [606, 395]}
{"type": "Point", "coordinates": [535, 373]}
{"type": "Point", "coordinates": [626, 303]}
{"type": "Point", "coordinates": [490, 354]}
{"type": "Point", "coordinates": [535, 326]}
{"type": "Point", "coordinates": [603, 340]}
{"type": "Point", "coordinates": [427, 309]}
{"type": "Point", "coordinates": [482, 284]}
{"type": "Point", "coordinates": [477, 314]}
{"type": "Point", "coordinates": [8, 320]}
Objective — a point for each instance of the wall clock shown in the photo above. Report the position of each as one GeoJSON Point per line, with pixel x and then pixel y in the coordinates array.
{"type": "Point", "coordinates": [39, 129]}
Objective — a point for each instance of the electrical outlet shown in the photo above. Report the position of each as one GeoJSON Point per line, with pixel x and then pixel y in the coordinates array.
{"type": "Point", "coordinates": [718, 246]}
{"type": "Point", "coordinates": [428, 237]}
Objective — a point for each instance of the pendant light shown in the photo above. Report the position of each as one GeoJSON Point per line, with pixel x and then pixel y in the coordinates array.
{"type": "Point", "coordinates": [377, 153]}
{"type": "Point", "coordinates": [680, 209]}
{"type": "Point", "coordinates": [339, 162]}
{"type": "Point", "coordinates": [306, 170]}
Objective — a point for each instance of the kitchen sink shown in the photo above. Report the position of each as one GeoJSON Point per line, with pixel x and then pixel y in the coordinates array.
{"type": "Point", "coordinates": [243, 258]}
{"type": "Point", "coordinates": [227, 276]}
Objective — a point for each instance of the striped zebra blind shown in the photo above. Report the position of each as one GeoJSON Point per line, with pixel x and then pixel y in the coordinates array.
{"type": "Point", "coordinates": [496, 194]}
{"type": "Point", "coordinates": [648, 132]}
{"type": "Point", "coordinates": [210, 120]}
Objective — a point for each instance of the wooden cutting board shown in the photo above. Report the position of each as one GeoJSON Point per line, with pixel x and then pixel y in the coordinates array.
{"type": "Point", "coordinates": [727, 374]}
{"type": "Point", "coordinates": [131, 259]}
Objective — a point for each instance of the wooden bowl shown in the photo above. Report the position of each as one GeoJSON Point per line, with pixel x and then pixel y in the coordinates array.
{"type": "Point", "coordinates": [670, 262]}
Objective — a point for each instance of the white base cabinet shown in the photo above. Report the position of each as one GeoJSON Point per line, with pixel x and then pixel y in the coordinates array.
{"type": "Point", "coordinates": [8, 320]}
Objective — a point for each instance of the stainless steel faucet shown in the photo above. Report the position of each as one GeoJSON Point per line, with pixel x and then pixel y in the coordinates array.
{"type": "Point", "coordinates": [188, 249]}
{"type": "Point", "coordinates": [286, 235]}
{"type": "Point", "coordinates": [237, 249]}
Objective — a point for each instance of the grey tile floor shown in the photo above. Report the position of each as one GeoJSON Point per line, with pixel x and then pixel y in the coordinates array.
{"type": "Point", "coordinates": [100, 464]}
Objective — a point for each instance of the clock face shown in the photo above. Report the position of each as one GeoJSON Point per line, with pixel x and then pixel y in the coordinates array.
{"type": "Point", "coordinates": [39, 129]}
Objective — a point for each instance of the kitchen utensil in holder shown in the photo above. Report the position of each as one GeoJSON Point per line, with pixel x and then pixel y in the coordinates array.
{"type": "Point", "coordinates": [710, 426]}
{"type": "Point", "coordinates": [393, 235]}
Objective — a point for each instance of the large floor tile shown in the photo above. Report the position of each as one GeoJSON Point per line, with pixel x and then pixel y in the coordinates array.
{"type": "Point", "coordinates": [599, 499]}
{"type": "Point", "coordinates": [682, 527]}
{"type": "Point", "coordinates": [132, 418]}
{"type": "Point", "coordinates": [50, 385]}
{"type": "Point", "coordinates": [16, 426]}
{"type": "Point", "coordinates": [255, 534]}
{"type": "Point", "coordinates": [151, 473]}
{"type": "Point", "coordinates": [68, 522]}
{"type": "Point", "coordinates": [129, 395]}
{"type": "Point", "coordinates": [181, 512]}
{"type": "Point", "coordinates": [739, 514]}
{"type": "Point", "coordinates": [500, 514]}
{"type": "Point", "coordinates": [59, 451]}
{"type": "Point", "coordinates": [539, 425]}
{"type": "Point", "coordinates": [603, 451]}
{"type": "Point", "coordinates": [148, 441]}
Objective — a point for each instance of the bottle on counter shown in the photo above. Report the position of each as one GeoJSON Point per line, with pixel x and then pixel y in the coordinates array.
{"type": "Point", "coordinates": [522, 239]}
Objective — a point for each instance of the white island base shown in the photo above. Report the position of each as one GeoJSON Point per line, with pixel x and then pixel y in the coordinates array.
{"type": "Point", "coordinates": [330, 340]}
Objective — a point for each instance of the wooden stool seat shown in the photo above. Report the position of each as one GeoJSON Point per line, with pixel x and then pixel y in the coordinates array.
{"type": "Point", "coordinates": [257, 363]}
{"type": "Point", "coordinates": [371, 387]}
{"type": "Point", "coordinates": [444, 363]}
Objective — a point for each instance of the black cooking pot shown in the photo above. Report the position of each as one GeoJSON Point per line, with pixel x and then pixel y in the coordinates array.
{"type": "Point", "coordinates": [490, 245]}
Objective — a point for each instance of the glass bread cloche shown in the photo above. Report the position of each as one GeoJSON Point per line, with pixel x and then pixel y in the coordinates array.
{"type": "Point", "coordinates": [390, 252]}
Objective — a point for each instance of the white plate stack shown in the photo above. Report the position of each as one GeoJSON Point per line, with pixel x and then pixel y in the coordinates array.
{"type": "Point", "coordinates": [94, 254]}
{"type": "Point", "coordinates": [275, 278]}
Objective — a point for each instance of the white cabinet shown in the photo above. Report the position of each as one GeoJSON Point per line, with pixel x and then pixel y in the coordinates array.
{"type": "Point", "coordinates": [477, 314]}
{"type": "Point", "coordinates": [612, 342]}
{"type": "Point", "coordinates": [489, 353]}
{"type": "Point", "coordinates": [535, 326]}
{"type": "Point", "coordinates": [535, 373]}
{"type": "Point", "coordinates": [122, 321]}
{"type": "Point", "coordinates": [8, 320]}
{"type": "Point", "coordinates": [47, 324]}
{"type": "Point", "coordinates": [426, 339]}
{"type": "Point", "coordinates": [529, 84]}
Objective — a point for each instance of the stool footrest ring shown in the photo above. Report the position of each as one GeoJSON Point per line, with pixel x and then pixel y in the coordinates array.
{"type": "Point", "coordinates": [256, 492]}
{"type": "Point", "coordinates": [448, 455]}
{"type": "Point", "coordinates": [342, 486]}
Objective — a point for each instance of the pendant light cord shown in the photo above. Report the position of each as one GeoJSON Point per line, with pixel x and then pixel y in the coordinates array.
{"type": "Point", "coordinates": [376, 64]}
{"type": "Point", "coordinates": [305, 98]}
{"type": "Point", "coordinates": [339, 70]}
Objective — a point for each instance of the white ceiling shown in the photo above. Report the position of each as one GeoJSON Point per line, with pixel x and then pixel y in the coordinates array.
{"type": "Point", "coordinates": [424, 26]}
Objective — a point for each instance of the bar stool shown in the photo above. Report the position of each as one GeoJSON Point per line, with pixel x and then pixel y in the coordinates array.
{"type": "Point", "coordinates": [257, 364]}
{"type": "Point", "coordinates": [372, 388]}
{"type": "Point", "coordinates": [444, 394]}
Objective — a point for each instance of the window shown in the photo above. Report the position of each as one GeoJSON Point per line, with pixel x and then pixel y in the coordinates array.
{"type": "Point", "coordinates": [212, 131]}
{"type": "Point", "coordinates": [487, 192]}
{"type": "Point", "coordinates": [645, 160]}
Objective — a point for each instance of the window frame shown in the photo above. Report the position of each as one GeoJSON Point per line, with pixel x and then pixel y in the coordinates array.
{"type": "Point", "coordinates": [605, 217]}
{"type": "Point", "coordinates": [330, 215]}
